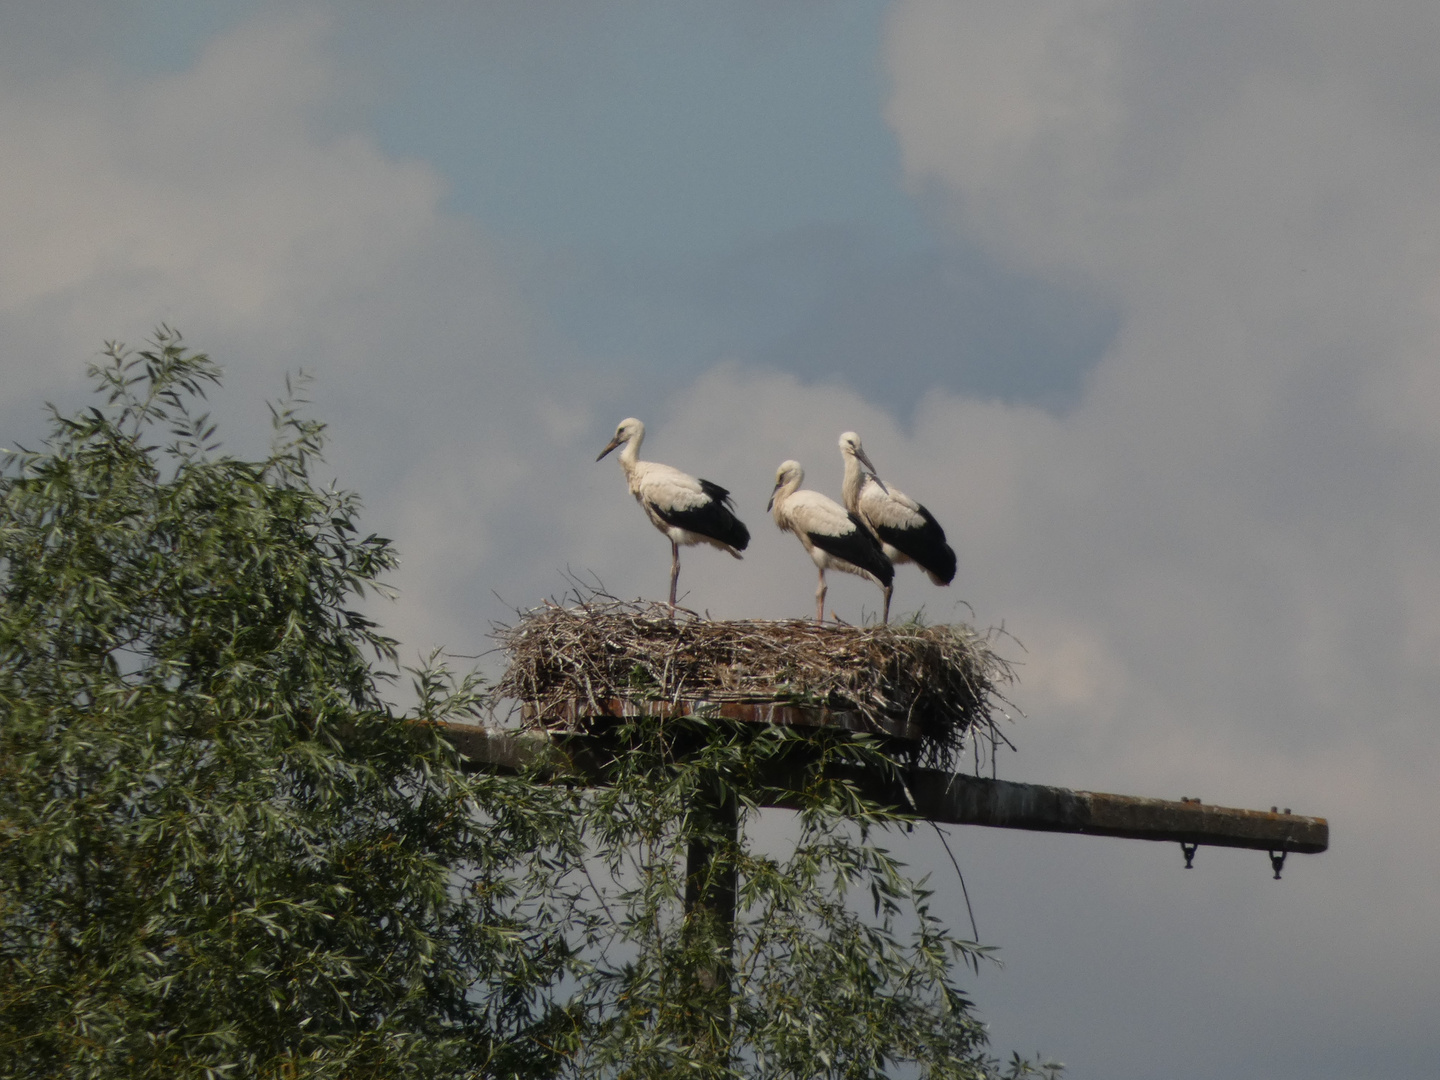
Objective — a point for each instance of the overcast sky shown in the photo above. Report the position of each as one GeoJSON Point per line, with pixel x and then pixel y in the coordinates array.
{"type": "Point", "coordinates": [1141, 298]}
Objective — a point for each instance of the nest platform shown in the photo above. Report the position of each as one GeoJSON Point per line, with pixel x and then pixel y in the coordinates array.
{"type": "Point", "coordinates": [572, 665]}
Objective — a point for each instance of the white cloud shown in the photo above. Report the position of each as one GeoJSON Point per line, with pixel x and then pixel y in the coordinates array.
{"type": "Point", "coordinates": [233, 200]}
{"type": "Point", "coordinates": [215, 196]}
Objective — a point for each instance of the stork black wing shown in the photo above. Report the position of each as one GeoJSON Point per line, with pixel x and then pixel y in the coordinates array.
{"type": "Point", "coordinates": [925, 544]}
{"type": "Point", "coordinates": [715, 492]}
{"type": "Point", "coordinates": [858, 548]}
{"type": "Point", "coordinates": [711, 518]}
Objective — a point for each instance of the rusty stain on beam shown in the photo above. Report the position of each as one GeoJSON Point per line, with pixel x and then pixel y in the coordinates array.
{"type": "Point", "coordinates": [957, 799]}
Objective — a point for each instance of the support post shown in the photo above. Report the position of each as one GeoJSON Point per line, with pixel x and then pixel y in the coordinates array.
{"type": "Point", "coordinates": [710, 893]}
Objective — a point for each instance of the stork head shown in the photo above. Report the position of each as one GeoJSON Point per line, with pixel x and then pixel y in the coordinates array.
{"type": "Point", "coordinates": [625, 431]}
{"type": "Point", "coordinates": [790, 475]}
{"type": "Point", "coordinates": [850, 446]}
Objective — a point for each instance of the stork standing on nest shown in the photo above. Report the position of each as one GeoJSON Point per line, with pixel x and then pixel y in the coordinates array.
{"type": "Point", "coordinates": [834, 538]}
{"type": "Point", "coordinates": [906, 530]}
{"type": "Point", "coordinates": [686, 510]}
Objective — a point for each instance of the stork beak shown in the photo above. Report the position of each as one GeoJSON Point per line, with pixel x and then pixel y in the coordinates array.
{"type": "Point", "coordinates": [613, 443]}
{"type": "Point", "coordinates": [865, 460]}
{"type": "Point", "coordinates": [771, 504]}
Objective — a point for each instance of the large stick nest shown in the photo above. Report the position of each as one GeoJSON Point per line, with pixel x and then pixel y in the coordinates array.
{"type": "Point", "coordinates": [944, 679]}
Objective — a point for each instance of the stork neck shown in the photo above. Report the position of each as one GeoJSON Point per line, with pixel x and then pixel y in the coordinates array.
{"type": "Point", "coordinates": [854, 481]}
{"type": "Point", "coordinates": [782, 496]}
{"type": "Point", "coordinates": [630, 454]}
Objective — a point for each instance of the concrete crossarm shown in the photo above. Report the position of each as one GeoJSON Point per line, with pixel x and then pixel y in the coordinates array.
{"type": "Point", "coordinates": [1003, 804]}
{"type": "Point", "coordinates": [968, 800]}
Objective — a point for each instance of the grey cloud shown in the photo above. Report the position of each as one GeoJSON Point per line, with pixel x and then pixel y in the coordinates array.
{"type": "Point", "coordinates": [208, 199]}
{"type": "Point", "coordinates": [1236, 521]}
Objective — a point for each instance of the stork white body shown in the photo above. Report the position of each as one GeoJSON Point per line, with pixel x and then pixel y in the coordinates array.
{"type": "Point", "coordinates": [834, 538]}
{"type": "Point", "coordinates": [906, 530]}
{"type": "Point", "coordinates": [686, 509]}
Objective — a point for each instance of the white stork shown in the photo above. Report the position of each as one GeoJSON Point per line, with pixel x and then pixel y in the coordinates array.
{"type": "Point", "coordinates": [834, 538]}
{"type": "Point", "coordinates": [686, 510]}
{"type": "Point", "coordinates": [906, 530]}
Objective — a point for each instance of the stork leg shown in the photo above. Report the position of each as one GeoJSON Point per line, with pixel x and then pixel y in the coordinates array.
{"type": "Point", "coordinates": [820, 599]}
{"type": "Point", "coordinates": [888, 590]}
{"type": "Point", "coordinates": [674, 571]}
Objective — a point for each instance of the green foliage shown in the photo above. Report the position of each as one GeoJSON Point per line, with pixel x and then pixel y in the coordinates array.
{"type": "Point", "coordinates": [793, 947]}
{"type": "Point", "coordinates": [838, 967]}
{"type": "Point", "coordinates": [222, 854]}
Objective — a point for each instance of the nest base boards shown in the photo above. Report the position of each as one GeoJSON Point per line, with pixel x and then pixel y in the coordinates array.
{"type": "Point", "coordinates": [576, 713]}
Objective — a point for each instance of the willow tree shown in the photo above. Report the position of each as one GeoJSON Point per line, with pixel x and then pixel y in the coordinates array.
{"type": "Point", "coordinates": [223, 854]}
{"type": "Point", "coordinates": [220, 852]}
